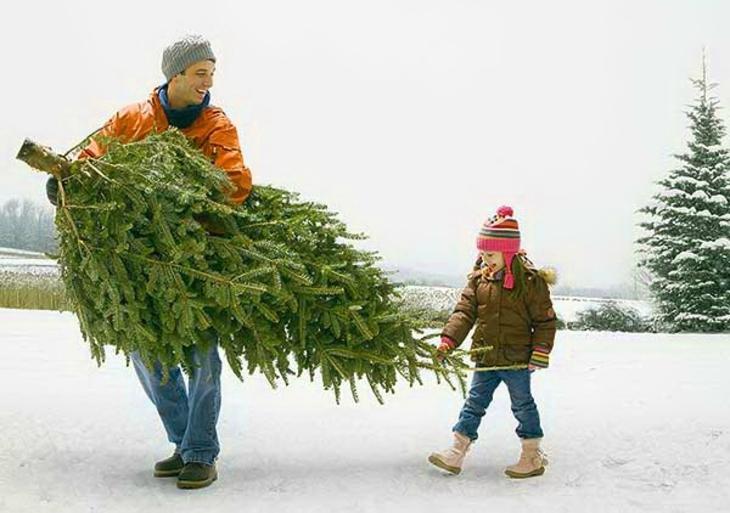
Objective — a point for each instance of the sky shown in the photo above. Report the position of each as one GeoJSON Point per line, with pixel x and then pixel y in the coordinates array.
{"type": "Point", "coordinates": [414, 120]}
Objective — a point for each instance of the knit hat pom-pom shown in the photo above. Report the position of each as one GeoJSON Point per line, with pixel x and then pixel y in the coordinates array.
{"type": "Point", "coordinates": [505, 211]}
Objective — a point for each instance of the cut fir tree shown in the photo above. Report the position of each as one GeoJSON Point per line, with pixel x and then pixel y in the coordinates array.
{"type": "Point", "coordinates": [155, 260]}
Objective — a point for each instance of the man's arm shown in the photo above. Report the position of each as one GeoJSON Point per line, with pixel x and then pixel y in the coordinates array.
{"type": "Point", "coordinates": [114, 127]}
{"type": "Point", "coordinates": [226, 153]}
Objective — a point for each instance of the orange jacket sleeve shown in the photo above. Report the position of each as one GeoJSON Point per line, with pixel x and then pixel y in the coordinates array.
{"type": "Point", "coordinates": [114, 127]}
{"type": "Point", "coordinates": [227, 155]}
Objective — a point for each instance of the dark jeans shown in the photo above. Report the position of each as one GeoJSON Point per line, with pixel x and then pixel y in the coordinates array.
{"type": "Point", "coordinates": [483, 385]}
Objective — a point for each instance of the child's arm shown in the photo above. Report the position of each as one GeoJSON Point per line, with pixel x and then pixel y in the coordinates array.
{"type": "Point", "coordinates": [465, 313]}
{"type": "Point", "coordinates": [542, 316]}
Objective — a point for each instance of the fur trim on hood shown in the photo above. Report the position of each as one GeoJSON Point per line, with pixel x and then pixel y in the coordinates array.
{"type": "Point", "coordinates": [549, 274]}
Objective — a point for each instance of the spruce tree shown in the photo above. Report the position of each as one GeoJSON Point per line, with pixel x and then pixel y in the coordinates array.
{"type": "Point", "coordinates": [155, 261]}
{"type": "Point", "coordinates": [687, 246]}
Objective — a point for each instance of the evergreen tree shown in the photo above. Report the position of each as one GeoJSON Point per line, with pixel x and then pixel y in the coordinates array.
{"type": "Point", "coordinates": [687, 248]}
{"type": "Point", "coordinates": [154, 259]}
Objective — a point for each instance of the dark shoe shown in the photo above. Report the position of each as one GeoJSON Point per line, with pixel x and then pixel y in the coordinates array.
{"type": "Point", "coordinates": [196, 475]}
{"type": "Point", "coordinates": [169, 467]}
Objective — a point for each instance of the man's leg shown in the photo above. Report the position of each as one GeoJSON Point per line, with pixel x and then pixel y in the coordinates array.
{"type": "Point", "coordinates": [170, 399]}
{"type": "Point", "coordinates": [200, 443]}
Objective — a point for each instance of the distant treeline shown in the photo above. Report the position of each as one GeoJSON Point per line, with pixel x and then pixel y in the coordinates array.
{"type": "Point", "coordinates": [27, 225]}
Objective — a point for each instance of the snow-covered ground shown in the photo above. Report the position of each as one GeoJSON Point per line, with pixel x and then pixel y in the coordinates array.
{"type": "Point", "coordinates": [17, 261]}
{"type": "Point", "coordinates": [634, 423]}
{"type": "Point", "coordinates": [19, 252]}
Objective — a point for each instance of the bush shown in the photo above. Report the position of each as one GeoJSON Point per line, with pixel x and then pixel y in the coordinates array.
{"type": "Point", "coordinates": [611, 316]}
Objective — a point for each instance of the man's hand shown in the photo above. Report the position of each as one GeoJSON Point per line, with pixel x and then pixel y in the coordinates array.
{"type": "Point", "coordinates": [210, 224]}
{"type": "Point", "coordinates": [52, 190]}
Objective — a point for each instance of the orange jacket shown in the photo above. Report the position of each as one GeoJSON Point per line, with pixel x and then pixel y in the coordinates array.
{"type": "Point", "coordinates": [212, 132]}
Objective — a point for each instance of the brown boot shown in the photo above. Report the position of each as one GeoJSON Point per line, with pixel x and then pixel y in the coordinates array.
{"type": "Point", "coordinates": [452, 458]}
{"type": "Point", "coordinates": [169, 467]}
{"type": "Point", "coordinates": [196, 475]}
{"type": "Point", "coordinates": [532, 460]}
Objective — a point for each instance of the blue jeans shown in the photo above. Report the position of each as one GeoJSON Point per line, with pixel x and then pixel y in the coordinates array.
{"type": "Point", "coordinates": [483, 385]}
{"type": "Point", "coordinates": [189, 416]}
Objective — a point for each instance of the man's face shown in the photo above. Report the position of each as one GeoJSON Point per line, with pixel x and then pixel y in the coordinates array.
{"type": "Point", "coordinates": [189, 87]}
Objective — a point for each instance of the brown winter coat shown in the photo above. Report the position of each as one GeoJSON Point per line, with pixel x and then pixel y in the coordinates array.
{"type": "Point", "coordinates": [507, 327]}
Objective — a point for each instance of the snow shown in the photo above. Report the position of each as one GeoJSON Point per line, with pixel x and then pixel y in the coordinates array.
{"type": "Point", "coordinates": [711, 147]}
{"type": "Point", "coordinates": [634, 423]}
{"type": "Point", "coordinates": [33, 262]}
{"type": "Point", "coordinates": [672, 193]}
{"type": "Point", "coordinates": [722, 243]}
{"type": "Point", "coordinates": [27, 263]}
{"type": "Point", "coordinates": [686, 180]}
{"type": "Point", "coordinates": [19, 252]}
{"type": "Point", "coordinates": [685, 255]}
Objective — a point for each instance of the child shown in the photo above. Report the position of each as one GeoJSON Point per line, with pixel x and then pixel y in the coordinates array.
{"type": "Point", "coordinates": [509, 301]}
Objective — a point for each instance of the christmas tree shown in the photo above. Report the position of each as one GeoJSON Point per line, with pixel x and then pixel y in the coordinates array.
{"type": "Point", "coordinates": [687, 246]}
{"type": "Point", "coordinates": [155, 260]}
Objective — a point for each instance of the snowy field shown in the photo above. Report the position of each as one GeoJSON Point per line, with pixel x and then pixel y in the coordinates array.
{"type": "Point", "coordinates": [19, 262]}
{"type": "Point", "coordinates": [567, 308]}
{"type": "Point", "coordinates": [633, 423]}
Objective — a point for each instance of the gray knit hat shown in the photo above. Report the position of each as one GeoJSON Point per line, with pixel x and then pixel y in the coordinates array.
{"type": "Point", "coordinates": [184, 52]}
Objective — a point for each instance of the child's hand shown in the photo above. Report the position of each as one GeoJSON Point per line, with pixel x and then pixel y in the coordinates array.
{"type": "Point", "coordinates": [444, 347]}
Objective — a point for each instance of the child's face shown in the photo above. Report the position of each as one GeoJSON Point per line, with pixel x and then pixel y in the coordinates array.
{"type": "Point", "coordinates": [493, 259]}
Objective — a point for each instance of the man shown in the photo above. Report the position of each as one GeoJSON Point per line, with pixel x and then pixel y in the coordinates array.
{"type": "Point", "coordinates": [189, 416]}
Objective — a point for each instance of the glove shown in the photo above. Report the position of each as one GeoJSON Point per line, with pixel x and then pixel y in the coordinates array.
{"type": "Point", "coordinates": [540, 358]}
{"type": "Point", "coordinates": [52, 190]}
{"type": "Point", "coordinates": [445, 346]}
{"type": "Point", "coordinates": [210, 224]}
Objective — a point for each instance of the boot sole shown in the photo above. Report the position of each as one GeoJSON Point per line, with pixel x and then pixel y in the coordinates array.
{"type": "Point", "coordinates": [436, 461]}
{"type": "Point", "coordinates": [168, 473]}
{"type": "Point", "coordinates": [194, 485]}
{"type": "Point", "coordinates": [517, 475]}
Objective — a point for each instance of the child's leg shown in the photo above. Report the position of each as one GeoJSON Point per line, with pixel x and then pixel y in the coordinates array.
{"type": "Point", "coordinates": [483, 385]}
{"type": "Point", "coordinates": [523, 404]}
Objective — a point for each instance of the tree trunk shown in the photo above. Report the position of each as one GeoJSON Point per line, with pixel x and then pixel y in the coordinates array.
{"type": "Point", "coordinates": [43, 159]}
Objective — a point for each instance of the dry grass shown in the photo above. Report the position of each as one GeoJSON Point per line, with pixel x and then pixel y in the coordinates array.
{"type": "Point", "coordinates": [32, 292]}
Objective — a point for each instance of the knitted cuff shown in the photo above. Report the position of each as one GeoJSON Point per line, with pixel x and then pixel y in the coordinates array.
{"type": "Point", "coordinates": [540, 357]}
{"type": "Point", "coordinates": [446, 341]}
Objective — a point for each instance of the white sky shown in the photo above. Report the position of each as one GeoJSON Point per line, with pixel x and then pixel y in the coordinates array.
{"type": "Point", "coordinates": [413, 119]}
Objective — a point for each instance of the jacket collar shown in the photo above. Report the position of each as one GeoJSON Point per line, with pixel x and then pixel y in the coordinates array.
{"type": "Point", "coordinates": [181, 118]}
